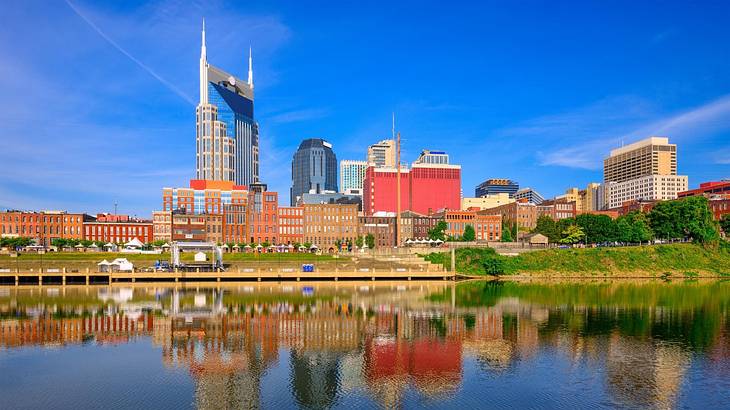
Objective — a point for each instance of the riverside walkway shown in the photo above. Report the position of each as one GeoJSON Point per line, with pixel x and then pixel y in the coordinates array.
{"type": "Point", "coordinates": [239, 275]}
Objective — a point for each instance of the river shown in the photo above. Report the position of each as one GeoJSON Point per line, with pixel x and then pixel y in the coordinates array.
{"type": "Point", "coordinates": [588, 344]}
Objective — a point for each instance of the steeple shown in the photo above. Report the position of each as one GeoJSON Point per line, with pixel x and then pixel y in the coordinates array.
{"type": "Point", "coordinates": [250, 68]}
{"type": "Point", "coordinates": [203, 69]}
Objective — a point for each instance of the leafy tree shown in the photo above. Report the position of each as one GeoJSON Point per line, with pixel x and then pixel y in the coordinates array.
{"type": "Point", "coordinates": [158, 243]}
{"type": "Point", "coordinates": [439, 231]}
{"type": "Point", "coordinates": [370, 241]}
{"type": "Point", "coordinates": [266, 244]}
{"type": "Point", "coordinates": [725, 224]}
{"type": "Point", "coordinates": [59, 242]}
{"type": "Point", "coordinates": [359, 241]}
{"type": "Point", "coordinates": [493, 265]}
{"type": "Point", "coordinates": [307, 245]}
{"type": "Point", "coordinates": [338, 243]}
{"type": "Point", "coordinates": [634, 227]}
{"type": "Point", "coordinates": [572, 234]}
{"type": "Point", "coordinates": [13, 243]}
{"type": "Point", "coordinates": [597, 228]}
{"type": "Point", "coordinates": [506, 235]}
{"type": "Point", "coordinates": [686, 218]}
{"type": "Point", "coordinates": [469, 234]}
{"type": "Point", "coordinates": [547, 226]}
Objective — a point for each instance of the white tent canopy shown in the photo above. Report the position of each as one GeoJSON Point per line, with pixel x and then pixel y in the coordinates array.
{"type": "Point", "coordinates": [134, 243]}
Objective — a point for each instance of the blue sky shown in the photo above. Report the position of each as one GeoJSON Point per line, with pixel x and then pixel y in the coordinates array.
{"type": "Point", "coordinates": [97, 99]}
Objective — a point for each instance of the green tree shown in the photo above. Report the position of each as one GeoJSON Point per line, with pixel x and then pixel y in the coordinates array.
{"type": "Point", "coordinates": [597, 228]}
{"type": "Point", "coordinates": [59, 242]}
{"type": "Point", "coordinates": [370, 241]}
{"type": "Point", "coordinates": [493, 265]}
{"type": "Point", "coordinates": [725, 224]}
{"type": "Point", "coordinates": [686, 218]}
{"type": "Point", "coordinates": [572, 234]}
{"type": "Point", "coordinates": [547, 226]}
{"type": "Point", "coordinates": [506, 235]}
{"type": "Point", "coordinates": [469, 234]}
{"type": "Point", "coordinates": [439, 231]}
{"type": "Point", "coordinates": [359, 241]}
{"type": "Point", "coordinates": [158, 243]}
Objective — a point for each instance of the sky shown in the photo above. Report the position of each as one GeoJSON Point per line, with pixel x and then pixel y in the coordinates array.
{"type": "Point", "coordinates": [97, 100]}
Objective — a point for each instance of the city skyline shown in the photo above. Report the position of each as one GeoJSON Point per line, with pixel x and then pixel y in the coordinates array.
{"type": "Point", "coordinates": [550, 144]}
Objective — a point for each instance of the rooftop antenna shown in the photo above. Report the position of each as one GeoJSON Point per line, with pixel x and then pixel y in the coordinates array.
{"type": "Point", "coordinates": [393, 129]}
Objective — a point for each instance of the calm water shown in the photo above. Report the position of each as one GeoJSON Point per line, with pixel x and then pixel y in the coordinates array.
{"type": "Point", "coordinates": [472, 345]}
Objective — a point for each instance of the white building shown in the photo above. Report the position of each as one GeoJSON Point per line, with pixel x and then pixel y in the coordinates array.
{"type": "Point", "coordinates": [352, 173]}
{"type": "Point", "coordinates": [648, 188]}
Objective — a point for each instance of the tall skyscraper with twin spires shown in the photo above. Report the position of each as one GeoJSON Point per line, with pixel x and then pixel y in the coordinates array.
{"type": "Point", "coordinates": [227, 136]}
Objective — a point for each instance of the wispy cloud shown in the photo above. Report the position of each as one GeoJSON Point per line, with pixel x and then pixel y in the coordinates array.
{"type": "Point", "coordinates": [121, 49]}
{"type": "Point", "coordinates": [581, 138]}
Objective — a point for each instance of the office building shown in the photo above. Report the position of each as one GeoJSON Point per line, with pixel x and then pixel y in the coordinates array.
{"type": "Point", "coordinates": [486, 202]}
{"type": "Point", "coordinates": [643, 171]}
{"type": "Point", "coordinates": [496, 186]}
{"type": "Point", "coordinates": [227, 137]}
{"type": "Point", "coordinates": [162, 226]}
{"type": "Point", "coordinates": [382, 154]}
{"type": "Point", "coordinates": [646, 188]}
{"type": "Point", "coordinates": [529, 195]}
{"type": "Point", "coordinates": [425, 188]}
{"type": "Point", "coordinates": [313, 169]}
{"type": "Point", "coordinates": [352, 174]}
{"type": "Point", "coordinates": [651, 156]}
{"type": "Point", "coordinates": [325, 224]}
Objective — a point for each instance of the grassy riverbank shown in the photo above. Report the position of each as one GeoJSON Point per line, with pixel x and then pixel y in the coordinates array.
{"type": "Point", "coordinates": [686, 260]}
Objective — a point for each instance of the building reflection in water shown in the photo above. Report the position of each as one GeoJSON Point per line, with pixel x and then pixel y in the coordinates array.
{"type": "Point", "coordinates": [381, 342]}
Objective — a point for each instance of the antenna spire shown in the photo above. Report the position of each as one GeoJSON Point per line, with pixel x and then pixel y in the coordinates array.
{"type": "Point", "coordinates": [250, 67]}
{"type": "Point", "coordinates": [203, 68]}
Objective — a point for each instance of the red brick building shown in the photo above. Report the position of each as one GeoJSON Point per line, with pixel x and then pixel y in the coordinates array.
{"type": "Point", "coordinates": [291, 224]}
{"type": "Point", "coordinates": [487, 227]}
{"type": "Point", "coordinates": [118, 232]}
{"type": "Point", "coordinates": [425, 188]}
{"type": "Point", "coordinates": [707, 189]}
{"type": "Point", "coordinates": [43, 227]}
{"type": "Point", "coordinates": [262, 215]}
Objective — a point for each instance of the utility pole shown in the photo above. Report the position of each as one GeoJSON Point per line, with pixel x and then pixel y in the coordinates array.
{"type": "Point", "coordinates": [397, 188]}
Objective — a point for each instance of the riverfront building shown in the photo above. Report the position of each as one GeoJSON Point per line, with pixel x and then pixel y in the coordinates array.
{"type": "Point", "coordinates": [313, 169]}
{"type": "Point", "coordinates": [324, 224]}
{"type": "Point", "coordinates": [227, 137]}
{"type": "Point", "coordinates": [487, 227]}
{"type": "Point", "coordinates": [496, 186]}
{"type": "Point", "coordinates": [524, 214]}
{"type": "Point", "coordinates": [118, 229]}
{"type": "Point", "coordinates": [43, 227]}
{"type": "Point", "coordinates": [291, 224]}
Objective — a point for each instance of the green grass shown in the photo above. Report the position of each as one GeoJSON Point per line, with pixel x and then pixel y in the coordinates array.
{"type": "Point", "coordinates": [636, 261]}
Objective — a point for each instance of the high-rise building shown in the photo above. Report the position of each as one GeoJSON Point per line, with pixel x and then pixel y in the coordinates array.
{"type": "Point", "coordinates": [432, 157]}
{"type": "Point", "coordinates": [313, 169]}
{"type": "Point", "coordinates": [227, 137]}
{"type": "Point", "coordinates": [382, 154]}
{"type": "Point", "coordinates": [643, 171]}
{"type": "Point", "coordinates": [651, 156]}
{"type": "Point", "coordinates": [529, 195]}
{"type": "Point", "coordinates": [496, 186]}
{"type": "Point", "coordinates": [352, 173]}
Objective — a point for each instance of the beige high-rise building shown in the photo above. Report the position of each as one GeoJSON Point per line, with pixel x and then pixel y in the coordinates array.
{"type": "Point", "coordinates": [382, 154]}
{"type": "Point", "coordinates": [651, 156]}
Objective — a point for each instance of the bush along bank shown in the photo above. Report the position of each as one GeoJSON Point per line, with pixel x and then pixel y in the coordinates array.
{"type": "Point", "coordinates": [674, 260]}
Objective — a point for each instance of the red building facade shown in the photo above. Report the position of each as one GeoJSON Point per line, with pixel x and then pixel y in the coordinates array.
{"type": "Point", "coordinates": [425, 188]}
{"type": "Point", "coordinates": [119, 232]}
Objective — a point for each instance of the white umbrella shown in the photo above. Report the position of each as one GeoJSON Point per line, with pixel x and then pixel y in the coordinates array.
{"type": "Point", "coordinates": [314, 247]}
{"type": "Point", "coordinates": [93, 245]}
{"type": "Point", "coordinates": [79, 246]}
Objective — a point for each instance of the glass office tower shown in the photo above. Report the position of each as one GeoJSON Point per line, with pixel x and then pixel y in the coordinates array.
{"type": "Point", "coordinates": [313, 169]}
{"type": "Point", "coordinates": [227, 136]}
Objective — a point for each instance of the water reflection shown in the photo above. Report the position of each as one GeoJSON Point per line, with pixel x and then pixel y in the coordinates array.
{"type": "Point", "coordinates": [607, 344]}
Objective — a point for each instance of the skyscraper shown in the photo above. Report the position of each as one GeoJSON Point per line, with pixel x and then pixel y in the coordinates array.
{"type": "Point", "coordinates": [382, 154]}
{"type": "Point", "coordinates": [352, 173]}
{"type": "Point", "coordinates": [496, 186]}
{"type": "Point", "coordinates": [651, 156]}
{"type": "Point", "coordinates": [227, 137]}
{"type": "Point", "coordinates": [313, 169]}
